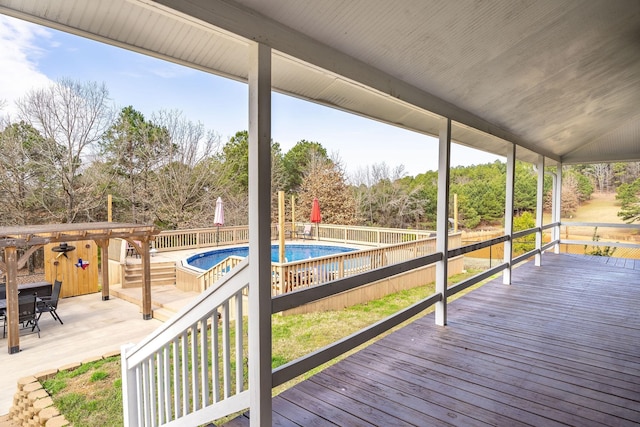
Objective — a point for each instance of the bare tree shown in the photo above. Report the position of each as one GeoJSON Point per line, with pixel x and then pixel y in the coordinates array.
{"type": "Point", "coordinates": [184, 188]}
{"type": "Point", "coordinates": [384, 200]}
{"type": "Point", "coordinates": [72, 117]}
{"type": "Point", "coordinates": [602, 174]}
{"type": "Point", "coordinates": [325, 180]}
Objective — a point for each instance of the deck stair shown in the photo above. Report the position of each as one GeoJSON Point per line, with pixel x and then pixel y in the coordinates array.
{"type": "Point", "coordinates": [166, 300]}
{"type": "Point", "coordinates": [162, 273]}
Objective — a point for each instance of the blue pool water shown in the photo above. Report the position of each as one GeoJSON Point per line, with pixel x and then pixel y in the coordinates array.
{"type": "Point", "coordinates": [292, 253]}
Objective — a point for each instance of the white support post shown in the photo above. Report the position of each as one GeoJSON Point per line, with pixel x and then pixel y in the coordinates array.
{"type": "Point", "coordinates": [442, 221]}
{"type": "Point", "coordinates": [557, 207]}
{"type": "Point", "coordinates": [508, 213]}
{"type": "Point", "coordinates": [539, 208]}
{"type": "Point", "coordinates": [129, 389]}
{"type": "Point", "coordinates": [260, 234]}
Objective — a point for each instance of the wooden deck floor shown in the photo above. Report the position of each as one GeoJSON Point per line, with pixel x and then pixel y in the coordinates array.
{"type": "Point", "coordinates": [561, 346]}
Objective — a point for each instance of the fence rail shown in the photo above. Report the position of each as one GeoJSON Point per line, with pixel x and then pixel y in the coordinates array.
{"type": "Point", "coordinates": [209, 237]}
{"type": "Point", "coordinates": [200, 238]}
{"type": "Point", "coordinates": [291, 276]}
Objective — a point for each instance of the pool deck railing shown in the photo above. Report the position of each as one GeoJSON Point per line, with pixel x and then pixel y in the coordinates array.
{"type": "Point", "coordinates": [175, 240]}
{"type": "Point", "coordinates": [296, 275]}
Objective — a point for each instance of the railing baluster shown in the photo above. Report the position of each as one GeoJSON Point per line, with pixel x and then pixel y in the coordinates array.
{"type": "Point", "coordinates": [146, 409]}
{"type": "Point", "coordinates": [167, 378]}
{"type": "Point", "coordinates": [215, 351]}
{"type": "Point", "coordinates": [177, 390]}
{"type": "Point", "coordinates": [204, 362]}
{"type": "Point", "coordinates": [226, 357]}
{"type": "Point", "coordinates": [185, 373]}
{"type": "Point", "coordinates": [195, 377]}
{"type": "Point", "coordinates": [239, 344]}
{"type": "Point", "coordinates": [153, 413]}
{"type": "Point", "coordinates": [161, 386]}
{"type": "Point", "coordinates": [140, 392]}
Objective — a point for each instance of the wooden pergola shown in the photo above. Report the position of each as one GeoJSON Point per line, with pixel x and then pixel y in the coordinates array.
{"type": "Point", "coordinates": [32, 237]}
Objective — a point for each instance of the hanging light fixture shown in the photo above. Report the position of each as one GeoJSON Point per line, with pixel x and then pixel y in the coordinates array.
{"type": "Point", "coordinates": [63, 248]}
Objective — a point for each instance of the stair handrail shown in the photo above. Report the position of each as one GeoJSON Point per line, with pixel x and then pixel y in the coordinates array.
{"type": "Point", "coordinates": [166, 377]}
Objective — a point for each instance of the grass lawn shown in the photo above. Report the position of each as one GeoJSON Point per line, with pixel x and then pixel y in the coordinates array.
{"type": "Point", "coordinates": [91, 395]}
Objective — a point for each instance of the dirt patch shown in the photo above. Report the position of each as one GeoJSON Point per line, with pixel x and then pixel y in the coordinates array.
{"type": "Point", "coordinates": [602, 207]}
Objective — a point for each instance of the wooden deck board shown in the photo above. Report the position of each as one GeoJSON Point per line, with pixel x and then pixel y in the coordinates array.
{"type": "Point", "coordinates": [560, 346]}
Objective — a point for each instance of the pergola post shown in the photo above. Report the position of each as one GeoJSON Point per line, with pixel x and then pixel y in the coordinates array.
{"type": "Point", "coordinates": [13, 333]}
{"type": "Point", "coordinates": [539, 209]}
{"type": "Point", "coordinates": [442, 228]}
{"type": "Point", "coordinates": [508, 213]}
{"type": "Point", "coordinates": [146, 279]}
{"type": "Point", "coordinates": [104, 269]}
{"type": "Point", "coordinates": [260, 235]}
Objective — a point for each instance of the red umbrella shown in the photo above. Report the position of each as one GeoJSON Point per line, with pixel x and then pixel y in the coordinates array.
{"type": "Point", "coordinates": [315, 211]}
{"type": "Point", "coordinates": [315, 214]}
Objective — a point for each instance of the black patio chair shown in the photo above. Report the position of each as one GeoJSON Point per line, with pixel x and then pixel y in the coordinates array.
{"type": "Point", "coordinates": [50, 304]}
{"type": "Point", "coordinates": [27, 314]}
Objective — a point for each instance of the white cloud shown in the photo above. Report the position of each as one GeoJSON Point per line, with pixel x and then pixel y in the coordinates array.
{"type": "Point", "coordinates": [19, 55]}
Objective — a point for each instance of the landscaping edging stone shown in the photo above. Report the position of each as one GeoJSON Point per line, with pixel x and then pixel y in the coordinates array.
{"type": "Point", "coordinates": [32, 405]}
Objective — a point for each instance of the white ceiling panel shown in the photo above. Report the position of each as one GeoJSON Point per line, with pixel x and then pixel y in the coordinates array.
{"type": "Point", "coordinates": [556, 77]}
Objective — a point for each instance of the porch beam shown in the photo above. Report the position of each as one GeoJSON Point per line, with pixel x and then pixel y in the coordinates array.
{"type": "Point", "coordinates": [508, 213]}
{"type": "Point", "coordinates": [260, 376]}
{"type": "Point", "coordinates": [442, 228]}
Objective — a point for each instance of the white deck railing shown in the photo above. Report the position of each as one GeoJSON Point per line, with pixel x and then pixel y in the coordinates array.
{"type": "Point", "coordinates": [189, 371]}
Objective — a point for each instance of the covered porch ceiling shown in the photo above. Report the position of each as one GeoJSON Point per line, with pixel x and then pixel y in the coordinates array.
{"type": "Point", "coordinates": [557, 77]}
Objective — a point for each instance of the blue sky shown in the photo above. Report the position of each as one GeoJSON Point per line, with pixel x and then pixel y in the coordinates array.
{"type": "Point", "coordinates": [33, 56]}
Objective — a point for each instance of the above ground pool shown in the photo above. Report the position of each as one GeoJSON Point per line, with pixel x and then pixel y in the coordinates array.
{"type": "Point", "coordinates": [206, 260]}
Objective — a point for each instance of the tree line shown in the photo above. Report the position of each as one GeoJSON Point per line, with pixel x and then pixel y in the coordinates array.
{"type": "Point", "coordinates": [69, 148]}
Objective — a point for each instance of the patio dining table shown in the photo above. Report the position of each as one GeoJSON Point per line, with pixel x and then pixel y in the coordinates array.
{"type": "Point", "coordinates": [41, 289]}
{"type": "Point", "coordinates": [3, 304]}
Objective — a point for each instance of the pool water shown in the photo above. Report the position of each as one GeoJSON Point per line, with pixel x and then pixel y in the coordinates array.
{"type": "Point", "coordinates": [206, 260]}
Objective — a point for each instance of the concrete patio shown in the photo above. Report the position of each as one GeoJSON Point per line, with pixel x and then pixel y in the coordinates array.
{"type": "Point", "coordinates": [92, 327]}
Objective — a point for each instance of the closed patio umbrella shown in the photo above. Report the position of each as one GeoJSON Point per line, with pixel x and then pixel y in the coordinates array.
{"type": "Point", "coordinates": [218, 218]}
{"type": "Point", "coordinates": [316, 218]}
